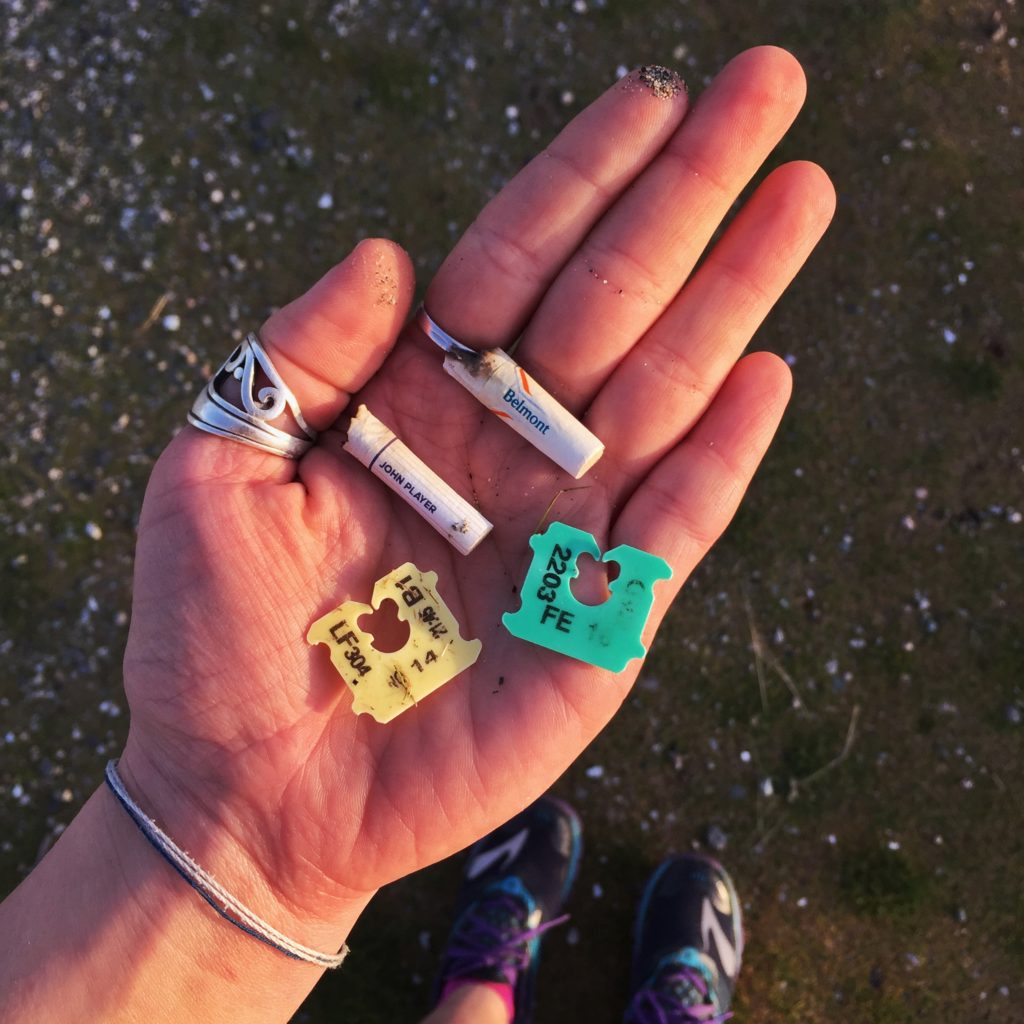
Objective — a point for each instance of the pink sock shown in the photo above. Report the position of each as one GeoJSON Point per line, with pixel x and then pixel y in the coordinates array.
{"type": "Point", "coordinates": [504, 991]}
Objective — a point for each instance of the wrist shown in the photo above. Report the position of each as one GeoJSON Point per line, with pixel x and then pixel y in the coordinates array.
{"type": "Point", "coordinates": [104, 929]}
{"type": "Point", "coordinates": [232, 842]}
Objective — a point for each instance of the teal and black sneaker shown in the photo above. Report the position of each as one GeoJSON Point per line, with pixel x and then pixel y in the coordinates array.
{"type": "Point", "coordinates": [516, 882]}
{"type": "Point", "coordinates": [689, 944]}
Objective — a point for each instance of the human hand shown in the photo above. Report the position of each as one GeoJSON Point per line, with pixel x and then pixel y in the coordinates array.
{"type": "Point", "coordinates": [242, 742]}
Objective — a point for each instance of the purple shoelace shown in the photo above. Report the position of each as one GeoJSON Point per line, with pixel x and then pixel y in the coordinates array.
{"type": "Point", "coordinates": [492, 934]}
{"type": "Point", "coordinates": [671, 999]}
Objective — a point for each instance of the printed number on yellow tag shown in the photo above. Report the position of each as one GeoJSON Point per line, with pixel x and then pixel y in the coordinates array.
{"type": "Point", "coordinates": [386, 684]}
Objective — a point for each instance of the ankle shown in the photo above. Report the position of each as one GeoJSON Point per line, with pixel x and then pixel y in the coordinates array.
{"type": "Point", "coordinates": [472, 1001]}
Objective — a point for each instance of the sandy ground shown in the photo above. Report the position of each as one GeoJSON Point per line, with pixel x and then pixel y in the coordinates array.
{"type": "Point", "coordinates": [836, 703]}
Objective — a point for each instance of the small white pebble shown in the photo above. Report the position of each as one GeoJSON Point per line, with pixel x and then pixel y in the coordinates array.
{"type": "Point", "coordinates": [893, 844]}
{"type": "Point", "coordinates": [171, 322]}
{"type": "Point", "coordinates": [93, 531]}
{"type": "Point", "coordinates": [217, 196]}
{"type": "Point", "coordinates": [745, 756]}
{"type": "Point", "coordinates": [326, 201]}
{"type": "Point", "coordinates": [948, 335]}
{"type": "Point", "coordinates": [598, 890]}
{"type": "Point", "coordinates": [512, 112]}
{"type": "Point", "coordinates": [595, 771]}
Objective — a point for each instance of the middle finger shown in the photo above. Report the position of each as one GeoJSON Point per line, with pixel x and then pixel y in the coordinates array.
{"type": "Point", "coordinates": [638, 257]}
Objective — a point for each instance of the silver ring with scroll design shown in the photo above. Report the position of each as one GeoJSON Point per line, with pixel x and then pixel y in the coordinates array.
{"type": "Point", "coordinates": [263, 398]}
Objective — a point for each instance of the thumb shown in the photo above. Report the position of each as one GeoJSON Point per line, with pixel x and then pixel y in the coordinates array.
{"type": "Point", "coordinates": [325, 345]}
{"type": "Point", "coordinates": [329, 342]}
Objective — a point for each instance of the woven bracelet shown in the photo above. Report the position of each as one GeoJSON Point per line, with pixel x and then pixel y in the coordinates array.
{"type": "Point", "coordinates": [212, 891]}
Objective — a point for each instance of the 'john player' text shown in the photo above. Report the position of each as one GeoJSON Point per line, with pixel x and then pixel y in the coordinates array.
{"type": "Point", "coordinates": [399, 478]}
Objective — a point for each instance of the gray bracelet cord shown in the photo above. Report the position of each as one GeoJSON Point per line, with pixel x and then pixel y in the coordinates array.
{"type": "Point", "coordinates": [212, 891]}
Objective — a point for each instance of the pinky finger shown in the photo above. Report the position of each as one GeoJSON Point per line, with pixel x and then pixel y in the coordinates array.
{"type": "Point", "coordinates": [689, 498]}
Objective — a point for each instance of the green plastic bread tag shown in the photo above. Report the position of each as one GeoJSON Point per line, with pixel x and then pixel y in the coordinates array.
{"type": "Point", "coordinates": [606, 635]}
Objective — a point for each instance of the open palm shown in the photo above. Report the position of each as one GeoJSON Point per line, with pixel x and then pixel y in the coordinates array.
{"type": "Point", "coordinates": [241, 730]}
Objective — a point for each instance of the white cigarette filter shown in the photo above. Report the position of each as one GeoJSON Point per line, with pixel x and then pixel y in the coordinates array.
{"type": "Point", "coordinates": [378, 448]}
{"type": "Point", "coordinates": [504, 387]}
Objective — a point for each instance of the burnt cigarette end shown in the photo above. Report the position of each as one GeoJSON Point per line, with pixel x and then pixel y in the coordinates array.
{"type": "Point", "coordinates": [661, 81]}
{"type": "Point", "coordinates": [474, 362]}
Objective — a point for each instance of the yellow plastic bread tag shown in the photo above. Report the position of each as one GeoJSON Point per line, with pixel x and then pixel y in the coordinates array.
{"type": "Point", "coordinates": [385, 685]}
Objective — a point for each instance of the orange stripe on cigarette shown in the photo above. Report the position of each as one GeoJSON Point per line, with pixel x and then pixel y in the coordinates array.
{"type": "Point", "coordinates": [497, 412]}
{"type": "Point", "coordinates": [524, 379]}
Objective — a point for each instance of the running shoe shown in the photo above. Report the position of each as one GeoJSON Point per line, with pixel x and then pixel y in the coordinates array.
{"type": "Point", "coordinates": [515, 885]}
{"type": "Point", "coordinates": [689, 944]}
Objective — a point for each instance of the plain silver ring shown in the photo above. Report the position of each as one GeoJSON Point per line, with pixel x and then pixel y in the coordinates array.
{"type": "Point", "coordinates": [438, 335]}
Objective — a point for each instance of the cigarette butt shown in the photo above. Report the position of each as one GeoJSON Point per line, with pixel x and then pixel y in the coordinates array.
{"type": "Point", "coordinates": [506, 389]}
{"type": "Point", "coordinates": [378, 448]}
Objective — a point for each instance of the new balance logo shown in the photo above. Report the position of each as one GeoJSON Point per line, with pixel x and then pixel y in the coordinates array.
{"type": "Point", "coordinates": [711, 929]}
{"type": "Point", "coordinates": [508, 849]}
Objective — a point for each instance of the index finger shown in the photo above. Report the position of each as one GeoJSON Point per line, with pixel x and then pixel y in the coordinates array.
{"type": "Point", "coordinates": [487, 288]}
